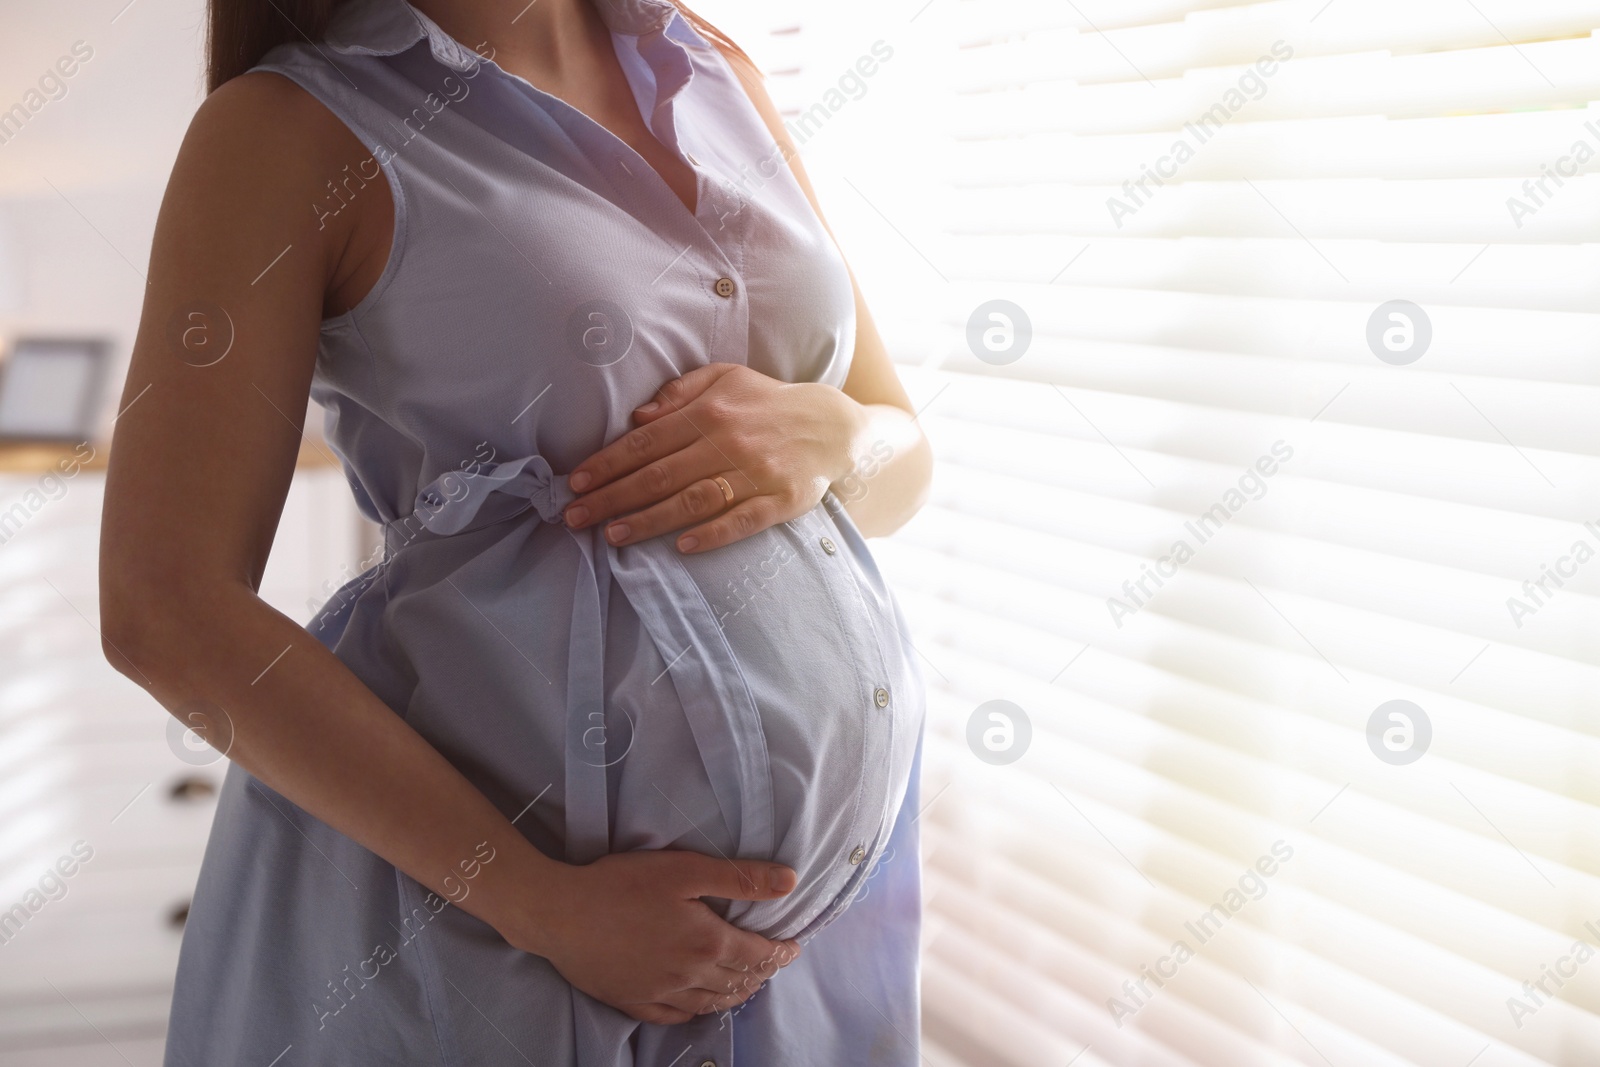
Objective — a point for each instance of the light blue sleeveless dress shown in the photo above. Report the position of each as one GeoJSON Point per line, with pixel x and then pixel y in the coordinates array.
{"type": "Point", "coordinates": [757, 701]}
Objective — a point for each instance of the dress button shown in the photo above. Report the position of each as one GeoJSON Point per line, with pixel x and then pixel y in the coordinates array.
{"type": "Point", "coordinates": [708, 1063]}
{"type": "Point", "coordinates": [880, 697]}
{"type": "Point", "coordinates": [724, 287]}
{"type": "Point", "coordinates": [828, 546]}
{"type": "Point", "coordinates": [693, 162]}
{"type": "Point", "coordinates": [858, 855]}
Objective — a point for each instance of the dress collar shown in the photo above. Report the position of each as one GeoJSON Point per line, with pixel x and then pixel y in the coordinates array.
{"type": "Point", "coordinates": [384, 27]}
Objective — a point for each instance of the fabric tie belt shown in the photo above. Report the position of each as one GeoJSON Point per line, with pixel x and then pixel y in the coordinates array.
{"type": "Point", "coordinates": [716, 700]}
{"type": "Point", "coordinates": [452, 504]}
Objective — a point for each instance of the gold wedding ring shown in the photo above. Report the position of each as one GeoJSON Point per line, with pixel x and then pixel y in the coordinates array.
{"type": "Point", "coordinates": [727, 490]}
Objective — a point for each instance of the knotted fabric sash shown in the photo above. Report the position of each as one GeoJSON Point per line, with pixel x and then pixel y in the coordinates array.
{"type": "Point", "coordinates": [717, 703]}
{"type": "Point", "coordinates": [455, 503]}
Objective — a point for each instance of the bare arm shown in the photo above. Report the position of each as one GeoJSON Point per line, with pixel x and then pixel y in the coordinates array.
{"type": "Point", "coordinates": [201, 461]}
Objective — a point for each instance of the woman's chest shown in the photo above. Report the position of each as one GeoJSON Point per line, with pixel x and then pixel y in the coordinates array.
{"type": "Point", "coordinates": [545, 294]}
{"type": "Point", "coordinates": [612, 109]}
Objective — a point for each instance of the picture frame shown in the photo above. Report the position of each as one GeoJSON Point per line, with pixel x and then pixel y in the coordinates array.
{"type": "Point", "coordinates": [51, 388]}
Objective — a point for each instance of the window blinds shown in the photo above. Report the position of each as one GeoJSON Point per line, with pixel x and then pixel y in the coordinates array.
{"type": "Point", "coordinates": [1219, 847]}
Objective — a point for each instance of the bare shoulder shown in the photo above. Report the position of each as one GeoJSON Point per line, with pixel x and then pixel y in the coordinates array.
{"type": "Point", "coordinates": [252, 176]}
{"type": "Point", "coordinates": [263, 129]}
{"type": "Point", "coordinates": [265, 96]}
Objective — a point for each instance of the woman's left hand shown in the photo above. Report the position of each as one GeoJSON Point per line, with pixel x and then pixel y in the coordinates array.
{"type": "Point", "coordinates": [778, 446]}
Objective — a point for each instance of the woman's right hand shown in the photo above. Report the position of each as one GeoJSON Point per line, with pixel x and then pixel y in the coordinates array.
{"type": "Point", "coordinates": [631, 931]}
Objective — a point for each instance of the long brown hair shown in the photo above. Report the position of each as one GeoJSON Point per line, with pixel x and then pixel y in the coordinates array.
{"type": "Point", "coordinates": [240, 32]}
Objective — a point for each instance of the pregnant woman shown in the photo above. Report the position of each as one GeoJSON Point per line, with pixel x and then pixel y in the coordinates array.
{"type": "Point", "coordinates": [611, 759]}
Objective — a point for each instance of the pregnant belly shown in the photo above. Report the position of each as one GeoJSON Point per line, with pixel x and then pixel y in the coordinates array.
{"type": "Point", "coordinates": [776, 705]}
{"type": "Point", "coordinates": [817, 639]}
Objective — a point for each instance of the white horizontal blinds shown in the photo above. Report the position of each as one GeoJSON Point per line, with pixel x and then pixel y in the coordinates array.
{"type": "Point", "coordinates": [1176, 339]}
{"type": "Point", "coordinates": [774, 35]}
{"type": "Point", "coordinates": [782, 60]}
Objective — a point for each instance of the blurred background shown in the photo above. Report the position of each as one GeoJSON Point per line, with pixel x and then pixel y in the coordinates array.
{"type": "Point", "coordinates": [1257, 596]}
